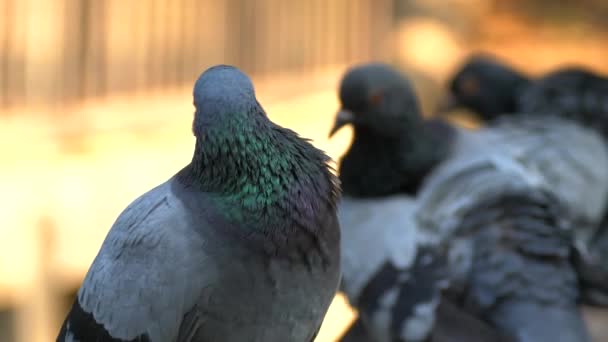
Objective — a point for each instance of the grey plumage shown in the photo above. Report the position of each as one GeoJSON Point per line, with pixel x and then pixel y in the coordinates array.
{"type": "Point", "coordinates": [522, 269]}
{"type": "Point", "coordinates": [499, 264]}
{"type": "Point", "coordinates": [515, 255]}
{"type": "Point", "coordinates": [547, 152]}
{"type": "Point", "coordinates": [389, 274]}
{"type": "Point", "coordinates": [579, 94]}
{"type": "Point", "coordinates": [220, 252]}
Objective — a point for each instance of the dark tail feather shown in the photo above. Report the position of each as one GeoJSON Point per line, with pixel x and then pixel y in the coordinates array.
{"type": "Point", "coordinates": [454, 324]}
{"type": "Point", "coordinates": [355, 333]}
{"type": "Point", "coordinates": [591, 263]}
{"type": "Point", "coordinates": [82, 326]}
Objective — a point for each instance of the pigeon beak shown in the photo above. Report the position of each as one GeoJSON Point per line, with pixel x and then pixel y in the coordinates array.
{"type": "Point", "coordinates": [448, 104]}
{"type": "Point", "coordinates": [343, 118]}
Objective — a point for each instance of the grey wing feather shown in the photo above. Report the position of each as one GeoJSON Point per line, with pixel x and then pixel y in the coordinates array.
{"type": "Point", "coordinates": [522, 157]}
{"type": "Point", "coordinates": [531, 320]}
{"type": "Point", "coordinates": [149, 271]}
{"type": "Point", "coordinates": [571, 157]}
{"type": "Point", "coordinates": [191, 326]}
{"type": "Point", "coordinates": [391, 272]}
{"type": "Point", "coordinates": [374, 230]}
{"type": "Point", "coordinates": [510, 157]}
{"type": "Point", "coordinates": [539, 153]}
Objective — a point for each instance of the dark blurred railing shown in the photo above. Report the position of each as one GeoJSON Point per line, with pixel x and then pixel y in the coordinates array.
{"type": "Point", "coordinates": [59, 51]}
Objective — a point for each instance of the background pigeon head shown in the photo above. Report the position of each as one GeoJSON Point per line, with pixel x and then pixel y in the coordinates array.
{"type": "Point", "coordinates": [485, 86]}
{"type": "Point", "coordinates": [222, 94]}
{"type": "Point", "coordinates": [378, 98]}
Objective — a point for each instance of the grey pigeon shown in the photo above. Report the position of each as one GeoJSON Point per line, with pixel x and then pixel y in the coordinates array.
{"type": "Point", "coordinates": [489, 233]}
{"type": "Point", "coordinates": [388, 274]}
{"type": "Point", "coordinates": [487, 86]}
{"type": "Point", "coordinates": [240, 245]}
{"type": "Point", "coordinates": [508, 215]}
{"type": "Point", "coordinates": [572, 92]}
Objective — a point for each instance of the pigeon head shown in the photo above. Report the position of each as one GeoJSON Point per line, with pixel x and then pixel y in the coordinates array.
{"type": "Point", "coordinates": [376, 98]}
{"type": "Point", "coordinates": [393, 147]}
{"type": "Point", "coordinates": [485, 86]}
{"type": "Point", "coordinates": [254, 168]}
{"type": "Point", "coordinates": [223, 94]}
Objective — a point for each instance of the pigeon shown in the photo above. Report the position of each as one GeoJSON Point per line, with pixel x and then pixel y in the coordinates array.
{"type": "Point", "coordinates": [486, 86]}
{"type": "Point", "coordinates": [507, 215]}
{"type": "Point", "coordinates": [393, 150]}
{"type": "Point", "coordinates": [393, 146]}
{"type": "Point", "coordinates": [573, 92]}
{"type": "Point", "coordinates": [489, 231]}
{"type": "Point", "coordinates": [525, 202]}
{"type": "Point", "coordinates": [243, 244]}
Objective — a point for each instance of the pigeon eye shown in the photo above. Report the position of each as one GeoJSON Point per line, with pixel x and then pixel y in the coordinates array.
{"type": "Point", "coordinates": [470, 86]}
{"type": "Point", "coordinates": [375, 99]}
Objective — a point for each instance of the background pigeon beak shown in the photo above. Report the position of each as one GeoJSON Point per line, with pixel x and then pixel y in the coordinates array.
{"type": "Point", "coordinates": [448, 104]}
{"type": "Point", "coordinates": [343, 118]}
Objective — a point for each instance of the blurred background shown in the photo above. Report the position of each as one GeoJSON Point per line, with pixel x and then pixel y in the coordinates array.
{"type": "Point", "coordinates": [95, 103]}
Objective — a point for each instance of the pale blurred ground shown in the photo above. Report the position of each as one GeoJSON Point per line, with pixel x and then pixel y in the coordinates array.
{"type": "Point", "coordinates": [67, 171]}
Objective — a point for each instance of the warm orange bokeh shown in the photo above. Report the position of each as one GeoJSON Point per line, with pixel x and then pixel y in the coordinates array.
{"type": "Point", "coordinates": [90, 119]}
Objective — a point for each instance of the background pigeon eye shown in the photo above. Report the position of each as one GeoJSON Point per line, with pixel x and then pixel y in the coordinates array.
{"type": "Point", "coordinates": [375, 99]}
{"type": "Point", "coordinates": [470, 86]}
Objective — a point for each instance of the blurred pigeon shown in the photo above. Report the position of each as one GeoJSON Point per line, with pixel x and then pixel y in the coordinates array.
{"type": "Point", "coordinates": [388, 274]}
{"type": "Point", "coordinates": [486, 86]}
{"type": "Point", "coordinates": [492, 221]}
{"type": "Point", "coordinates": [240, 245]}
{"type": "Point", "coordinates": [393, 147]}
{"type": "Point", "coordinates": [507, 215]}
{"type": "Point", "coordinates": [572, 92]}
